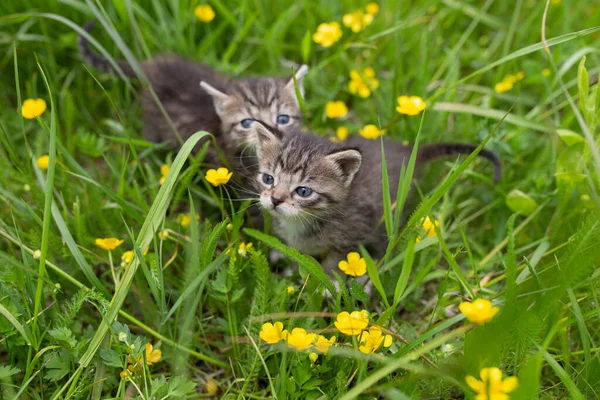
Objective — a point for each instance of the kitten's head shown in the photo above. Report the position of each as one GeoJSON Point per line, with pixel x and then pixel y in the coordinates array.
{"type": "Point", "coordinates": [302, 174]}
{"type": "Point", "coordinates": [271, 100]}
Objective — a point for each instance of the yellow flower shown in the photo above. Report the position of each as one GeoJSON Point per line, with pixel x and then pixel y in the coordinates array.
{"type": "Point", "coordinates": [353, 323]}
{"type": "Point", "coordinates": [327, 34]}
{"type": "Point", "coordinates": [211, 387]}
{"type": "Point", "coordinates": [503, 86]}
{"type": "Point", "coordinates": [108, 243]}
{"type": "Point", "coordinates": [164, 170]}
{"type": "Point", "coordinates": [341, 133]}
{"type": "Point", "coordinates": [32, 108]}
{"type": "Point", "coordinates": [372, 340]}
{"type": "Point", "coordinates": [313, 357]}
{"type": "Point", "coordinates": [152, 356]}
{"type": "Point", "coordinates": [355, 266]}
{"type": "Point", "coordinates": [290, 289]}
{"type": "Point", "coordinates": [336, 109]}
{"type": "Point", "coordinates": [428, 227]}
{"type": "Point", "coordinates": [243, 249]}
{"type": "Point", "coordinates": [410, 105]}
{"type": "Point", "coordinates": [519, 76]}
{"type": "Point", "coordinates": [480, 311]}
{"type": "Point", "coordinates": [546, 72]}
{"type": "Point", "coordinates": [128, 256]}
{"type": "Point", "coordinates": [371, 132]}
{"type": "Point", "coordinates": [271, 333]}
{"type": "Point", "coordinates": [163, 235]}
{"type": "Point", "coordinates": [363, 84]}
{"type": "Point", "coordinates": [218, 177]}
{"type": "Point", "coordinates": [184, 220]}
{"type": "Point", "coordinates": [204, 13]}
{"type": "Point", "coordinates": [299, 339]}
{"type": "Point", "coordinates": [42, 162]}
{"type": "Point", "coordinates": [492, 386]}
{"type": "Point", "coordinates": [357, 21]}
{"type": "Point", "coordinates": [322, 344]}
{"type": "Point", "coordinates": [125, 373]}
{"type": "Point", "coordinates": [372, 8]}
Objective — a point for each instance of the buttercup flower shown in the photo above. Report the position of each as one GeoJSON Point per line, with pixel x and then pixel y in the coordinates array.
{"type": "Point", "coordinates": [42, 161]}
{"type": "Point", "coordinates": [218, 177]}
{"type": "Point", "coordinates": [128, 256]}
{"type": "Point", "coordinates": [290, 289]}
{"type": "Point", "coordinates": [271, 333]}
{"type": "Point", "coordinates": [327, 34]}
{"type": "Point", "coordinates": [371, 132]}
{"type": "Point", "coordinates": [355, 266]}
{"type": "Point", "coordinates": [108, 243]}
{"type": "Point", "coordinates": [357, 21]}
{"type": "Point", "coordinates": [341, 133]}
{"type": "Point", "coordinates": [370, 341]}
{"type": "Point", "coordinates": [204, 13]}
{"type": "Point", "coordinates": [163, 235]}
{"type": "Point", "coordinates": [363, 84]}
{"type": "Point", "coordinates": [322, 344]}
{"type": "Point", "coordinates": [184, 220]}
{"type": "Point", "coordinates": [428, 227]}
{"type": "Point", "coordinates": [164, 170]}
{"type": "Point", "coordinates": [336, 109]}
{"type": "Point", "coordinates": [313, 357]}
{"type": "Point", "coordinates": [152, 356]}
{"type": "Point", "coordinates": [299, 339]}
{"type": "Point", "coordinates": [410, 105]}
{"type": "Point", "coordinates": [243, 249]}
{"type": "Point", "coordinates": [211, 387]}
{"type": "Point", "coordinates": [372, 8]}
{"type": "Point", "coordinates": [480, 311]}
{"type": "Point", "coordinates": [508, 82]}
{"type": "Point", "coordinates": [546, 72]}
{"type": "Point", "coordinates": [492, 386]}
{"type": "Point", "coordinates": [125, 373]}
{"type": "Point", "coordinates": [32, 108]}
{"type": "Point", "coordinates": [353, 323]}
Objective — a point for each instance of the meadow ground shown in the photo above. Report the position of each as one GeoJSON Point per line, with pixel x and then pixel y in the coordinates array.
{"type": "Point", "coordinates": [191, 317]}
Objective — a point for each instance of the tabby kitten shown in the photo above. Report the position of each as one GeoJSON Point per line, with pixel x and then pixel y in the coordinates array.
{"type": "Point", "coordinates": [198, 98]}
{"type": "Point", "coordinates": [326, 198]}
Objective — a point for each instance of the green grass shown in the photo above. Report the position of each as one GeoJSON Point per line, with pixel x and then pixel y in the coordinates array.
{"type": "Point", "coordinates": [70, 315]}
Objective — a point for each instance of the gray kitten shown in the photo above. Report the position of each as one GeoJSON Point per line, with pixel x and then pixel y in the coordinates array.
{"type": "Point", "coordinates": [198, 98]}
{"type": "Point", "coordinates": [326, 198]}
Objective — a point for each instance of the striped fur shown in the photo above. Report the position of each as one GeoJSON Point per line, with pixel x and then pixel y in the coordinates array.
{"type": "Point", "coordinates": [346, 206]}
{"type": "Point", "coordinates": [218, 106]}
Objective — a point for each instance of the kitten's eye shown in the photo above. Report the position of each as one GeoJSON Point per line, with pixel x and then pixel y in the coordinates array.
{"type": "Point", "coordinates": [283, 119]}
{"type": "Point", "coordinates": [246, 123]}
{"type": "Point", "coordinates": [268, 179]}
{"type": "Point", "coordinates": [303, 191]}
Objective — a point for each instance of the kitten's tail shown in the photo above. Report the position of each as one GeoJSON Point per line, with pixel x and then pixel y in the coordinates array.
{"type": "Point", "coordinates": [430, 152]}
{"type": "Point", "coordinates": [96, 60]}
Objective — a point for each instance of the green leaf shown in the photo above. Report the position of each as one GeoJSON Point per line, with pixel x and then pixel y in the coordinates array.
{"type": "Point", "coordinates": [409, 257]}
{"type": "Point", "coordinates": [110, 358]}
{"type": "Point", "coordinates": [7, 371]}
{"type": "Point", "coordinates": [569, 137]}
{"type": "Point", "coordinates": [306, 46]}
{"type": "Point", "coordinates": [520, 202]}
{"type": "Point", "coordinates": [387, 200]}
{"type": "Point", "coordinates": [64, 336]}
{"type": "Point", "coordinates": [358, 292]}
{"type": "Point", "coordinates": [304, 261]}
{"type": "Point", "coordinates": [58, 365]}
{"type": "Point", "coordinates": [583, 83]}
{"type": "Point", "coordinates": [374, 275]}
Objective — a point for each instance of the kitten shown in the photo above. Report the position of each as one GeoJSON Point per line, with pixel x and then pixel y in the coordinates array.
{"type": "Point", "coordinates": [198, 98]}
{"type": "Point", "coordinates": [326, 198]}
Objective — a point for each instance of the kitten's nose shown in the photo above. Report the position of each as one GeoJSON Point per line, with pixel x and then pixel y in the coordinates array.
{"type": "Point", "coordinates": [276, 201]}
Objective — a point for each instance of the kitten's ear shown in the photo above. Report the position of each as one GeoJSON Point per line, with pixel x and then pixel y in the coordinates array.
{"type": "Point", "coordinates": [219, 98]}
{"type": "Point", "coordinates": [265, 134]}
{"type": "Point", "coordinates": [347, 162]}
{"type": "Point", "coordinates": [289, 86]}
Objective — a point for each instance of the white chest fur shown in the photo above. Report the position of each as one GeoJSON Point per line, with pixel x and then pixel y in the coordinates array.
{"type": "Point", "coordinates": [294, 232]}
